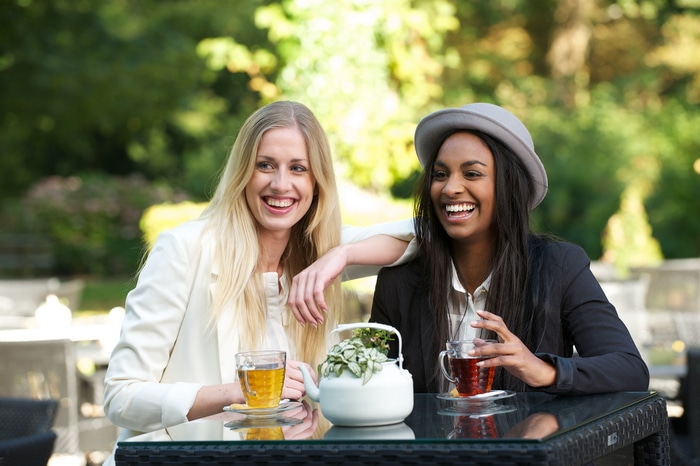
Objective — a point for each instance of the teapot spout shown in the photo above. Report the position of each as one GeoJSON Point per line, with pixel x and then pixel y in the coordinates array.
{"type": "Point", "coordinates": [312, 390]}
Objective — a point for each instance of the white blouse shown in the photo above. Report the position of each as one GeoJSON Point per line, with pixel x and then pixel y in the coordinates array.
{"type": "Point", "coordinates": [463, 306]}
{"type": "Point", "coordinates": [278, 315]}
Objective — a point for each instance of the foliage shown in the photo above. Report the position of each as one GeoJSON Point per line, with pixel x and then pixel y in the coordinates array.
{"type": "Point", "coordinates": [368, 96]}
{"type": "Point", "coordinates": [672, 207]}
{"type": "Point", "coordinates": [374, 338]}
{"type": "Point", "coordinates": [115, 86]}
{"type": "Point", "coordinates": [609, 90]}
{"type": "Point", "coordinates": [628, 241]}
{"type": "Point", "coordinates": [362, 355]}
{"type": "Point", "coordinates": [160, 217]}
{"type": "Point", "coordinates": [93, 220]}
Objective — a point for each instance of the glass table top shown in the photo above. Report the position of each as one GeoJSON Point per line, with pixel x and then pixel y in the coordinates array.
{"type": "Point", "coordinates": [530, 416]}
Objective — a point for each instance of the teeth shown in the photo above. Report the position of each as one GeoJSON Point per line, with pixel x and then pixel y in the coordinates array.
{"type": "Point", "coordinates": [279, 202]}
{"type": "Point", "coordinates": [460, 207]}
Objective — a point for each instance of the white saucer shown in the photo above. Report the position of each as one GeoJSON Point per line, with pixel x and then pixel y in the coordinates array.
{"type": "Point", "coordinates": [477, 399]}
{"type": "Point", "coordinates": [263, 412]}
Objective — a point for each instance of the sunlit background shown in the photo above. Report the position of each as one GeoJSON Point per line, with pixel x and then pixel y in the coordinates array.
{"type": "Point", "coordinates": [116, 116]}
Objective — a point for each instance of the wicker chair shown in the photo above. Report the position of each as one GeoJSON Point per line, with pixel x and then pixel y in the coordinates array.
{"type": "Point", "coordinates": [26, 437]}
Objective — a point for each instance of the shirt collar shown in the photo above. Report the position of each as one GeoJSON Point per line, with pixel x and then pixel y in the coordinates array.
{"type": "Point", "coordinates": [457, 285]}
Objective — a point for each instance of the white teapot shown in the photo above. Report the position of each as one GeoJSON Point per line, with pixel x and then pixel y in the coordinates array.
{"type": "Point", "coordinates": [387, 398]}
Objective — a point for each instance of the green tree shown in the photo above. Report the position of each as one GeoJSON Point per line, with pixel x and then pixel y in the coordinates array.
{"type": "Point", "coordinates": [609, 89]}
{"type": "Point", "coordinates": [116, 87]}
{"type": "Point", "coordinates": [368, 95]}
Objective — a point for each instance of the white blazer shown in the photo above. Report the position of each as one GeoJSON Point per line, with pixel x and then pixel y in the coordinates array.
{"type": "Point", "coordinates": [167, 350]}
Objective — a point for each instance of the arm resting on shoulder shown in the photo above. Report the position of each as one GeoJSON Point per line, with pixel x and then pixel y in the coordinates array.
{"type": "Point", "coordinates": [364, 250]}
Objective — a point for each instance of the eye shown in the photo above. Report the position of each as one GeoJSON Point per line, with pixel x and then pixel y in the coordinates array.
{"type": "Point", "coordinates": [299, 168]}
{"type": "Point", "coordinates": [264, 166]}
{"type": "Point", "coordinates": [438, 175]}
{"type": "Point", "coordinates": [472, 174]}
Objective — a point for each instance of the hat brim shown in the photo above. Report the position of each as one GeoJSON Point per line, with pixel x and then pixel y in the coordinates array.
{"type": "Point", "coordinates": [432, 131]}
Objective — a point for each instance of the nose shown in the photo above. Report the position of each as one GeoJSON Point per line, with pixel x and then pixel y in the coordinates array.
{"type": "Point", "coordinates": [453, 186]}
{"type": "Point", "coordinates": [280, 181]}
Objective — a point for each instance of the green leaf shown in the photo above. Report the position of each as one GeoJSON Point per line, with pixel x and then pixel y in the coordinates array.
{"type": "Point", "coordinates": [355, 368]}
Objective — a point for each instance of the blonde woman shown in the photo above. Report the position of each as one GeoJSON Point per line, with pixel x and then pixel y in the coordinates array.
{"type": "Point", "coordinates": [219, 284]}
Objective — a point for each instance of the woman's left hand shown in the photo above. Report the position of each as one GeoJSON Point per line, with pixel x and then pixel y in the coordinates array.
{"type": "Point", "coordinates": [294, 380]}
{"type": "Point", "coordinates": [512, 354]}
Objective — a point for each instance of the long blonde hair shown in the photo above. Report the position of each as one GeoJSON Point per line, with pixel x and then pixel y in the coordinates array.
{"type": "Point", "coordinates": [239, 285]}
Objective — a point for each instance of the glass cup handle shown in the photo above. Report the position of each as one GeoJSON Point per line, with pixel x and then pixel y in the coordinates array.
{"type": "Point", "coordinates": [247, 385]}
{"type": "Point", "coordinates": [444, 355]}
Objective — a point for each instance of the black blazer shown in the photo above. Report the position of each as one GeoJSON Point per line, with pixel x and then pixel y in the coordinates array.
{"type": "Point", "coordinates": [579, 314]}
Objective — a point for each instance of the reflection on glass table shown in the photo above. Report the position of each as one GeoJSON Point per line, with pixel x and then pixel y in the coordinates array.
{"type": "Point", "coordinates": [528, 428]}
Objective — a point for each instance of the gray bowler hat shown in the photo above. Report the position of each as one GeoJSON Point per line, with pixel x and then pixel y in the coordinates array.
{"type": "Point", "coordinates": [490, 119]}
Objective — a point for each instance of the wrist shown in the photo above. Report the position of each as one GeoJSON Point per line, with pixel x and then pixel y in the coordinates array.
{"type": "Point", "coordinates": [344, 253]}
{"type": "Point", "coordinates": [548, 375]}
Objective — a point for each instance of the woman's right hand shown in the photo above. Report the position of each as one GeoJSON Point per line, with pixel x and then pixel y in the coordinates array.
{"type": "Point", "coordinates": [512, 353]}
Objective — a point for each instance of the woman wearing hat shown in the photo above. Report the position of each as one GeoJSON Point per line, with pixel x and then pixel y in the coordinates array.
{"type": "Point", "coordinates": [481, 271]}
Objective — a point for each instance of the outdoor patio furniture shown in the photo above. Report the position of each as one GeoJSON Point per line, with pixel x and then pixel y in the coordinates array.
{"type": "Point", "coordinates": [628, 297]}
{"type": "Point", "coordinates": [688, 326]}
{"type": "Point", "coordinates": [21, 297]}
{"type": "Point", "coordinates": [686, 429]}
{"type": "Point", "coordinates": [26, 437]}
{"type": "Point", "coordinates": [44, 369]}
{"type": "Point", "coordinates": [67, 364]}
{"type": "Point", "coordinates": [604, 429]}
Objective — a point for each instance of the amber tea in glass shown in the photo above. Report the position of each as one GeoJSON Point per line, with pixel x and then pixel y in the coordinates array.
{"type": "Point", "coordinates": [261, 374]}
{"type": "Point", "coordinates": [468, 378]}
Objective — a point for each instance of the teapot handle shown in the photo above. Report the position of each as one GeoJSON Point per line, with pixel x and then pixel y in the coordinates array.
{"type": "Point", "coordinates": [388, 328]}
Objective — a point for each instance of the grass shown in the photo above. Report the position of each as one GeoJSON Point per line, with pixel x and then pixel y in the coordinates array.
{"type": "Point", "coordinates": [101, 295]}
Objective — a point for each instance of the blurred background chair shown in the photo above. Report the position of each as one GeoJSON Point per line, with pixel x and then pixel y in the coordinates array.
{"type": "Point", "coordinates": [685, 445]}
{"type": "Point", "coordinates": [45, 369]}
{"type": "Point", "coordinates": [26, 437]}
{"type": "Point", "coordinates": [628, 297]}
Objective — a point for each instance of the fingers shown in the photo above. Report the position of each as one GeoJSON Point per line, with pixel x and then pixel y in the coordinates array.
{"type": "Point", "coordinates": [294, 380]}
{"type": "Point", "coordinates": [308, 426]}
{"type": "Point", "coordinates": [306, 299]}
{"type": "Point", "coordinates": [493, 322]}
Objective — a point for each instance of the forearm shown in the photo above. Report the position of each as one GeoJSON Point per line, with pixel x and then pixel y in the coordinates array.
{"type": "Point", "coordinates": [212, 399]}
{"type": "Point", "coordinates": [384, 244]}
{"type": "Point", "coordinates": [376, 250]}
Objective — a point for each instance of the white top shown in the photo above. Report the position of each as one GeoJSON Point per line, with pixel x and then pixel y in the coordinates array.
{"type": "Point", "coordinates": [463, 307]}
{"type": "Point", "coordinates": [278, 315]}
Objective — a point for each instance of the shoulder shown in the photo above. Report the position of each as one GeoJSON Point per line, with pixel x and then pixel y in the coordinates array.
{"type": "Point", "coordinates": [189, 231]}
{"type": "Point", "coordinates": [409, 273]}
{"type": "Point", "coordinates": [556, 250]}
{"type": "Point", "coordinates": [187, 237]}
{"type": "Point", "coordinates": [557, 259]}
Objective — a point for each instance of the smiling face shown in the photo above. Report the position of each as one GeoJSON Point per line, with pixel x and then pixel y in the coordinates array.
{"type": "Point", "coordinates": [281, 190]}
{"type": "Point", "coordinates": [463, 189]}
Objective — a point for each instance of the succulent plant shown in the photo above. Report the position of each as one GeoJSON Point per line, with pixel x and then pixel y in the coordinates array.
{"type": "Point", "coordinates": [362, 355]}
